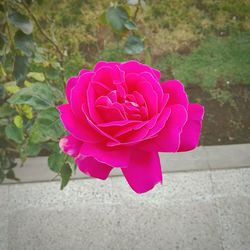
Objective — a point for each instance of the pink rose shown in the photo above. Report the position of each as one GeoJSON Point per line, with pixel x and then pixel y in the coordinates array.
{"type": "Point", "coordinates": [119, 115]}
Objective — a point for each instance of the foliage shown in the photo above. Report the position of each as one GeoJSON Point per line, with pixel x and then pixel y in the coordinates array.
{"type": "Point", "coordinates": [33, 72]}
{"type": "Point", "coordinates": [224, 59]}
{"type": "Point", "coordinates": [122, 23]}
{"type": "Point", "coordinates": [29, 121]}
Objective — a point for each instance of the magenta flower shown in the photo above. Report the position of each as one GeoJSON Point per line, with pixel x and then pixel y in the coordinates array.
{"type": "Point", "coordinates": [119, 115]}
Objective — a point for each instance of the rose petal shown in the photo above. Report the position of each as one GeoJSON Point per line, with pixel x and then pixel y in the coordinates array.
{"type": "Point", "coordinates": [78, 128]}
{"type": "Point", "coordinates": [72, 81]}
{"type": "Point", "coordinates": [111, 156]}
{"type": "Point", "coordinates": [92, 108]}
{"type": "Point", "coordinates": [101, 131]}
{"type": "Point", "coordinates": [143, 171]}
{"type": "Point", "coordinates": [137, 67]}
{"type": "Point", "coordinates": [162, 119]}
{"type": "Point", "coordinates": [118, 75]}
{"type": "Point", "coordinates": [70, 145]}
{"type": "Point", "coordinates": [100, 88]}
{"type": "Point", "coordinates": [134, 132]}
{"type": "Point", "coordinates": [83, 71]}
{"type": "Point", "coordinates": [109, 76]}
{"type": "Point", "coordinates": [110, 113]}
{"type": "Point", "coordinates": [112, 95]}
{"type": "Point", "coordinates": [78, 94]}
{"type": "Point", "coordinates": [91, 167]}
{"type": "Point", "coordinates": [118, 123]}
{"type": "Point", "coordinates": [192, 129]}
{"type": "Point", "coordinates": [130, 138]}
{"type": "Point", "coordinates": [176, 91]}
{"type": "Point", "coordinates": [101, 64]}
{"type": "Point", "coordinates": [156, 86]}
{"type": "Point", "coordinates": [137, 83]}
{"type": "Point", "coordinates": [116, 128]}
{"type": "Point", "coordinates": [168, 139]}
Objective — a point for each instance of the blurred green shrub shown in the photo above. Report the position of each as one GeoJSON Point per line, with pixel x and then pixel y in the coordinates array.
{"type": "Point", "coordinates": [37, 54]}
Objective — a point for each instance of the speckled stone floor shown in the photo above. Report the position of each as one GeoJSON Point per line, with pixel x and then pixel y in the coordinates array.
{"type": "Point", "coordinates": [191, 210]}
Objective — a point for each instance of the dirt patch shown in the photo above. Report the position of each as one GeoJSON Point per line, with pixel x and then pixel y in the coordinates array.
{"type": "Point", "coordinates": [224, 123]}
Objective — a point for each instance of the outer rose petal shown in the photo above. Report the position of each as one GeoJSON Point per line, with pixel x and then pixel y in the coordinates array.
{"type": "Point", "coordinates": [91, 167]}
{"type": "Point", "coordinates": [144, 171]}
{"type": "Point", "coordinates": [78, 128]}
{"type": "Point", "coordinates": [192, 129]}
{"type": "Point", "coordinates": [110, 156]}
{"type": "Point", "coordinates": [137, 67]}
{"type": "Point", "coordinates": [101, 64]}
{"type": "Point", "coordinates": [70, 145]}
{"type": "Point", "coordinates": [176, 91]}
{"type": "Point", "coordinates": [83, 71]}
{"type": "Point", "coordinates": [168, 139]}
{"type": "Point", "coordinates": [79, 94]}
{"type": "Point", "coordinates": [72, 81]}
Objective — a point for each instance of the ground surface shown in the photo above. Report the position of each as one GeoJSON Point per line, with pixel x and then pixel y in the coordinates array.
{"type": "Point", "coordinates": [225, 122]}
{"type": "Point", "coordinates": [193, 210]}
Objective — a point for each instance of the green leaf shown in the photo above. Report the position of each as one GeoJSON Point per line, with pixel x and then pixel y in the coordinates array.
{"type": "Point", "coordinates": [39, 96]}
{"type": "Point", "coordinates": [33, 149]}
{"type": "Point", "coordinates": [47, 126]}
{"type": "Point", "coordinates": [52, 146]}
{"type": "Point", "coordinates": [6, 111]}
{"type": "Point", "coordinates": [11, 175]}
{"type": "Point", "coordinates": [71, 162]}
{"type": "Point", "coordinates": [66, 172]}
{"type": "Point", "coordinates": [116, 17]}
{"type": "Point", "coordinates": [20, 68]}
{"type": "Point", "coordinates": [27, 111]}
{"type": "Point", "coordinates": [24, 43]}
{"type": "Point", "coordinates": [27, 83]}
{"type": "Point", "coordinates": [11, 87]}
{"type": "Point", "coordinates": [21, 22]}
{"type": "Point", "coordinates": [56, 161]}
{"type": "Point", "coordinates": [133, 45]}
{"type": "Point", "coordinates": [14, 133]}
{"type": "Point", "coordinates": [37, 76]}
{"type": "Point", "coordinates": [52, 73]}
{"type": "Point", "coordinates": [130, 25]}
{"type": "Point", "coordinates": [18, 121]}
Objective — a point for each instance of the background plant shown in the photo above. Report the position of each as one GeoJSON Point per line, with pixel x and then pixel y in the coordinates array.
{"type": "Point", "coordinates": [33, 79]}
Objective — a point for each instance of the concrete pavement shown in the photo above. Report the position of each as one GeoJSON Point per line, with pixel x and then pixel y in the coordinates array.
{"type": "Point", "coordinates": [207, 209]}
